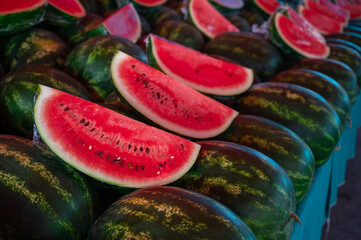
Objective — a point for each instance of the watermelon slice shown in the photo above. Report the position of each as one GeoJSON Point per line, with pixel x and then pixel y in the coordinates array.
{"type": "Point", "coordinates": [266, 7]}
{"type": "Point", "coordinates": [64, 12]}
{"type": "Point", "coordinates": [292, 38]}
{"type": "Point", "coordinates": [229, 4]}
{"type": "Point", "coordinates": [168, 102]}
{"type": "Point", "coordinates": [323, 23]}
{"type": "Point", "coordinates": [334, 7]}
{"type": "Point", "coordinates": [317, 7]}
{"type": "Point", "coordinates": [208, 20]}
{"type": "Point", "coordinates": [18, 15]}
{"type": "Point", "coordinates": [109, 146]}
{"type": "Point", "coordinates": [355, 10]}
{"type": "Point", "coordinates": [149, 3]}
{"type": "Point", "coordinates": [197, 70]}
{"type": "Point", "coordinates": [125, 22]}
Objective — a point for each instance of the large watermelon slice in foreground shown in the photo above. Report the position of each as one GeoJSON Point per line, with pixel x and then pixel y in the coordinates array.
{"type": "Point", "coordinates": [109, 146]}
{"type": "Point", "coordinates": [197, 70]}
{"type": "Point", "coordinates": [208, 20]}
{"type": "Point", "coordinates": [294, 39]}
{"type": "Point", "coordinates": [168, 102]}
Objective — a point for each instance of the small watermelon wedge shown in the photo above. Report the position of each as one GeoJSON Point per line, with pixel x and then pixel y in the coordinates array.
{"type": "Point", "coordinates": [197, 70]}
{"type": "Point", "coordinates": [208, 20]}
{"type": "Point", "coordinates": [107, 145]}
{"type": "Point", "coordinates": [18, 15]}
{"type": "Point", "coordinates": [168, 102]}
{"type": "Point", "coordinates": [64, 12]}
{"type": "Point", "coordinates": [324, 24]}
{"type": "Point", "coordinates": [317, 7]}
{"type": "Point", "coordinates": [265, 7]}
{"type": "Point", "coordinates": [293, 39]}
{"type": "Point", "coordinates": [125, 22]}
{"type": "Point", "coordinates": [149, 3]}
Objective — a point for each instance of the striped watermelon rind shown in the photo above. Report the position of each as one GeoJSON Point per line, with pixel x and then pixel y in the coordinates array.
{"type": "Point", "coordinates": [169, 213]}
{"type": "Point", "coordinates": [248, 182]}
{"type": "Point", "coordinates": [40, 195]}
{"type": "Point", "coordinates": [60, 16]}
{"type": "Point", "coordinates": [19, 20]}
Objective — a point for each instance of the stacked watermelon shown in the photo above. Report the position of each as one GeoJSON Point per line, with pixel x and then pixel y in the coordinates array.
{"type": "Point", "coordinates": [235, 104]}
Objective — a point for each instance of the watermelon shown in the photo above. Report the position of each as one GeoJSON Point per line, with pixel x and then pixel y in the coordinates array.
{"type": "Point", "coordinates": [240, 23]}
{"type": "Point", "coordinates": [90, 62]}
{"type": "Point", "coordinates": [64, 12]}
{"type": "Point", "coordinates": [168, 102]}
{"type": "Point", "coordinates": [162, 14]}
{"type": "Point", "coordinates": [317, 7]}
{"type": "Point", "coordinates": [17, 90]}
{"type": "Point", "coordinates": [34, 46]}
{"type": "Point", "coordinates": [346, 43]}
{"type": "Point", "coordinates": [265, 7]}
{"type": "Point", "coordinates": [348, 56]}
{"type": "Point", "coordinates": [277, 142]}
{"type": "Point", "coordinates": [324, 24]}
{"type": "Point", "coordinates": [109, 146]}
{"type": "Point", "coordinates": [169, 213]}
{"type": "Point", "coordinates": [208, 20]}
{"type": "Point", "coordinates": [182, 33]}
{"type": "Point", "coordinates": [293, 39]}
{"type": "Point", "coordinates": [322, 84]}
{"type": "Point", "coordinates": [354, 9]}
{"type": "Point", "coordinates": [303, 111]}
{"type": "Point", "coordinates": [337, 70]}
{"type": "Point", "coordinates": [41, 197]}
{"type": "Point", "coordinates": [125, 23]}
{"type": "Point", "coordinates": [335, 8]}
{"type": "Point", "coordinates": [203, 73]}
{"type": "Point", "coordinates": [18, 15]}
{"type": "Point", "coordinates": [149, 3]}
{"type": "Point", "coordinates": [253, 18]}
{"type": "Point", "coordinates": [228, 7]}
{"type": "Point", "coordinates": [248, 50]}
{"type": "Point", "coordinates": [349, 36]}
{"type": "Point", "coordinates": [251, 184]}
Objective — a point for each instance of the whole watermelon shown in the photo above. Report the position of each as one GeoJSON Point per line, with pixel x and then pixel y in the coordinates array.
{"type": "Point", "coordinates": [41, 198]}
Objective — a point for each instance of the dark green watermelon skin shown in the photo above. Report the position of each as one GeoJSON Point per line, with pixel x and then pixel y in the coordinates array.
{"type": "Point", "coordinates": [303, 111]}
{"type": "Point", "coordinates": [56, 17]}
{"type": "Point", "coordinates": [240, 23]}
{"type": "Point", "coordinates": [90, 62]}
{"type": "Point", "coordinates": [348, 56]}
{"type": "Point", "coordinates": [161, 14]}
{"type": "Point", "coordinates": [337, 70]}
{"type": "Point", "coordinates": [344, 43]}
{"type": "Point", "coordinates": [251, 184]}
{"type": "Point", "coordinates": [34, 46]}
{"type": "Point", "coordinates": [182, 33]}
{"type": "Point", "coordinates": [248, 50]}
{"type": "Point", "coordinates": [277, 142]}
{"type": "Point", "coordinates": [322, 84]}
{"type": "Point", "coordinates": [17, 91]}
{"type": "Point", "coordinates": [16, 22]}
{"type": "Point", "coordinates": [348, 36]}
{"type": "Point", "coordinates": [41, 197]}
{"type": "Point", "coordinates": [168, 213]}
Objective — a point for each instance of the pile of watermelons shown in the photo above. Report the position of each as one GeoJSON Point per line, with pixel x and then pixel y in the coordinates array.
{"type": "Point", "coordinates": [233, 104]}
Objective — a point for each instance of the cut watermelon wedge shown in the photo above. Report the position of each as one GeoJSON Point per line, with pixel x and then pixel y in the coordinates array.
{"type": "Point", "coordinates": [168, 102]}
{"type": "Point", "coordinates": [64, 12]}
{"type": "Point", "coordinates": [323, 23]}
{"type": "Point", "coordinates": [334, 7]}
{"type": "Point", "coordinates": [266, 7]}
{"type": "Point", "coordinates": [197, 70]}
{"type": "Point", "coordinates": [125, 22]}
{"type": "Point", "coordinates": [149, 3]}
{"type": "Point", "coordinates": [325, 11]}
{"type": "Point", "coordinates": [208, 20]}
{"type": "Point", "coordinates": [109, 146]}
{"type": "Point", "coordinates": [292, 38]}
{"type": "Point", "coordinates": [18, 15]}
{"type": "Point", "coordinates": [355, 10]}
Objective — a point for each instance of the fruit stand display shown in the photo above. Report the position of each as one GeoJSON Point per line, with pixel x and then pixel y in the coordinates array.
{"type": "Point", "coordinates": [175, 119]}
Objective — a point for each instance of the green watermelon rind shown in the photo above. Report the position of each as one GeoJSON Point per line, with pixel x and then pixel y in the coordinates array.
{"type": "Point", "coordinates": [146, 6]}
{"type": "Point", "coordinates": [285, 44]}
{"type": "Point", "coordinates": [57, 17]}
{"type": "Point", "coordinates": [16, 22]}
{"type": "Point", "coordinates": [259, 8]}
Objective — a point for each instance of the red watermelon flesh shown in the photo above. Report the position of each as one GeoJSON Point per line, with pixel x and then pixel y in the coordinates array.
{"type": "Point", "coordinates": [197, 70]}
{"type": "Point", "coordinates": [168, 102]}
{"type": "Point", "coordinates": [71, 7]}
{"type": "Point", "coordinates": [15, 6]}
{"type": "Point", "coordinates": [334, 7]}
{"type": "Point", "coordinates": [304, 25]}
{"type": "Point", "coordinates": [208, 20]}
{"type": "Point", "coordinates": [299, 40]}
{"type": "Point", "coordinates": [323, 23]}
{"type": "Point", "coordinates": [268, 6]}
{"type": "Point", "coordinates": [355, 10]}
{"type": "Point", "coordinates": [125, 23]}
{"type": "Point", "coordinates": [325, 11]}
{"type": "Point", "coordinates": [150, 3]}
{"type": "Point", "coordinates": [232, 4]}
{"type": "Point", "coordinates": [109, 146]}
